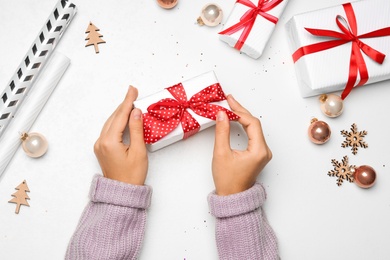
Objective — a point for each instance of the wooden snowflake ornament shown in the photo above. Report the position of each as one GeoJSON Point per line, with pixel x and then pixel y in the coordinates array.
{"type": "Point", "coordinates": [93, 37]}
{"type": "Point", "coordinates": [20, 197]}
{"type": "Point", "coordinates": [354, 139]}
{"type": "Point", "coordinates": [342, 170]}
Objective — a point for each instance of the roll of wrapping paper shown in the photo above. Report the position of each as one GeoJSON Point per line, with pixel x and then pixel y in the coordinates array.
{"type": "Point", "coordinates": [31, 107]}
{"type": "Point", "coordinates": [34, 61]}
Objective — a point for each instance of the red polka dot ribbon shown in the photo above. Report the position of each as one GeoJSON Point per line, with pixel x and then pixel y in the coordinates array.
{"type": "Point", "coordinates": [165, 115]}
{"type": "Point", "coordinates": [348, 33]}
{"type": "Point", "coordinates": [248, 19]}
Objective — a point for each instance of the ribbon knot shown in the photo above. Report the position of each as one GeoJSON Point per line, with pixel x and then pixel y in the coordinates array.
{"type": "Point", "coordinates": [248, 19]}
{"type": "Point", "coordinates": [255, 10]}
{"type": "Point", "coordinates": [349, 33]}
{"type": "Point", "coordinates": [185, 105]}
{"type": "Point", "coordinates": [165, 115]}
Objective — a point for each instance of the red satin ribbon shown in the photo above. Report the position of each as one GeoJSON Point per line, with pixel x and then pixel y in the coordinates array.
{"type": "Point", "coordinates": [349, 34]}
{"type": "Point", "coordinates": [165, 115]}
{"type": "Point", "coordinates": [248, 19]}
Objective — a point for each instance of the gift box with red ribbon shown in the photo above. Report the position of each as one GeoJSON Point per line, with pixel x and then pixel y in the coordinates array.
{"type": "Point", "coordinates": [250, 25]}
{"type": "Point", "coordinates": [182, 110]}
{"type": "Point", "coordinates": [341, 47]}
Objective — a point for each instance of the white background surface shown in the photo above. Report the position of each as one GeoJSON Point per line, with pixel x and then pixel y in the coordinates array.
{"type": "Point", "coordinates": [153, 48]}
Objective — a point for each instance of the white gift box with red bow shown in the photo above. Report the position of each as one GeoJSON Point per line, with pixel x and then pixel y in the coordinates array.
{"type": "Point", "coordinates": [329, 70]}
{"type": "Point", "coordinates": [262, 28]}
{"type": "Point", "coordinates": [191, 86]}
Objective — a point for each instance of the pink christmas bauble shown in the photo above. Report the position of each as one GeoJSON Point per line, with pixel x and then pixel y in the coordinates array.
{"type": "Point", "coordinates": [319, 132]}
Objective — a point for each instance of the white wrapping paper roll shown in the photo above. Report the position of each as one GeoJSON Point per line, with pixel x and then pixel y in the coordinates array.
{"type": "Point", "coordinates": [31, 107]}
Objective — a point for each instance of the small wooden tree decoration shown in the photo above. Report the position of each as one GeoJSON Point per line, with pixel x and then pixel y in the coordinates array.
{"type": "Point", "coordinates": [93, 37]}
{"type": "Point", "coordinates": [20, 197]}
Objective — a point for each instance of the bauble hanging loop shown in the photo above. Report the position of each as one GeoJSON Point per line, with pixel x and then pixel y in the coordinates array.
{"type": "Point", "coordinates": [319, 131]}
{"type": "Point", "coordinates": [211, 15]}
{"type": "Point", "coordinates": [34, 144]}
{"type": "Point", "coordinates": [331, 105]}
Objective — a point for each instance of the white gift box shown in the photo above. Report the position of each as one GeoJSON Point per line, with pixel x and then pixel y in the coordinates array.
{"type": "Point", "coordinates": [328, 70]}
{"type": "Point", "coordinates": [191, 86]}
{"type": "Point", "coordinates": [260, 32]}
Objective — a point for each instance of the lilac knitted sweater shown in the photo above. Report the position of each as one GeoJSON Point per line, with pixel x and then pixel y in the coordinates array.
{"type": "Point", "coordinates": [112, 225]}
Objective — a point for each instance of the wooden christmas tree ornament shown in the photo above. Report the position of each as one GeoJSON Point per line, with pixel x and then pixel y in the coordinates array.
{"type": "Point", "coordinates": [93, 37]}
{"type": "Point", "coordinates": [20, 197]}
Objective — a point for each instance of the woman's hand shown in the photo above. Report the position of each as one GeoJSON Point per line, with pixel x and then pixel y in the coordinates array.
{"type": "Point", "coordinates": [233, 170]}
{"type": "Point", "coordinates": [126, 163]}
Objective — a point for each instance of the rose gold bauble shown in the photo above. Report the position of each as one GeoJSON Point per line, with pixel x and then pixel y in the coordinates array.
{"type": "Point", "coordinates": [331, 105]}
{"type": "Point", "coordinates": [365, 176]}
{"type": "Point", "coordinates": [319, 132]}
{"type": "Point", "coordinates": [167, 4]}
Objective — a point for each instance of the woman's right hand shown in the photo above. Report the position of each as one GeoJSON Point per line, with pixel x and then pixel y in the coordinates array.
{"type": "Point", "coordinates": [235, 171]}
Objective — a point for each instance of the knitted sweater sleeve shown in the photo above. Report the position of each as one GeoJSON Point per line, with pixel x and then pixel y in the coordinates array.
{"type": "Point", "coordinates": [242, 230]}
{"type": "Point", "coordinates": [112, 225]}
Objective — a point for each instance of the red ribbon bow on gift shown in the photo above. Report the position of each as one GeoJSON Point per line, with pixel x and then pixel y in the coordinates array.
{"type": "Point", "coordinates": [248, 19]}
{"type": "Point", "coordinates": [165, 115]}
{"type": "Point", "coordinates": [349, 34]}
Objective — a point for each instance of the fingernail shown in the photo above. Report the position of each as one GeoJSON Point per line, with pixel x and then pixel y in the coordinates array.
{"type": "Point", "coordinates": [130, 87]}
{"type": "Point", "coordinates": [220, 115]}
{"type": "Point", "coordinates": [136, 113]}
